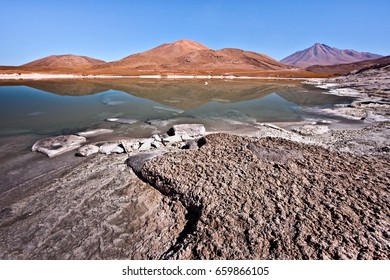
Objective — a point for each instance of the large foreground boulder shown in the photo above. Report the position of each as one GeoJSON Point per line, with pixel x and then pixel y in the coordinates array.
{"type": "Point", "coordinates": [272, 198]}
{"type": "Point", "coordinates": [57, 145]}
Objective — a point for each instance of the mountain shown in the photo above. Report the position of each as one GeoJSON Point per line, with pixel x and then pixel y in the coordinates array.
{"type": "Point", "coordinates": [320, 54]}
{"type": "Point", "coordinates": [190, 55]}
{"type": "Point", "coordinates": [342, 69]}
{"type": "Point", "coordinates": [182, 57]}
{"type": "Point", "coordinates": [63, 61]}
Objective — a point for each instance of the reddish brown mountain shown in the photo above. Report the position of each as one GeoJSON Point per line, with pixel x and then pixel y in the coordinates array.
{"type": "Point", "coordinates": [320, 54]}
{"type": "Point", "coordinates": [186, 54]}
{"type": "Point", "coordinates": [63, 61]}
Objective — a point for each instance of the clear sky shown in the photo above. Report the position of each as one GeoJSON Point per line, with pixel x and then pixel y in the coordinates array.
{"type": "Point", "coordinates": [113, 29]}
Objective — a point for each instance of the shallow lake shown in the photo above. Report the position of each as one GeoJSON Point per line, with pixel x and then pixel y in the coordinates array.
{"type": "Point", "coordinates": [53, 107]}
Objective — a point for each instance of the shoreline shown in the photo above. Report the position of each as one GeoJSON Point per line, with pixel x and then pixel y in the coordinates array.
{"type": "Point", "coordinates": [39, 76]}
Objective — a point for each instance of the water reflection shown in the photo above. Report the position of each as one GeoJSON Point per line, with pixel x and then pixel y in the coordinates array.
{"type": "Point", "coordinates": [50, 106]}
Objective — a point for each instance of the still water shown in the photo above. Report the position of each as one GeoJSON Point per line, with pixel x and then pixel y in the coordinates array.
{"type": "Point", "coordinates": [68, 106]}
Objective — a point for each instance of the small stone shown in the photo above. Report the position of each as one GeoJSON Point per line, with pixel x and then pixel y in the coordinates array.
{"type": "Point", "coordinates": [128, 145]}
{"type": "Point", "coordinates": [192, 130]}
{"type": "Point", "coordinates": [146, 145]}
{"type": "Point", "coordinates": [87, 150]}
{"type": "Point", "coordinates": [110, 148]}
{"type": "Point", "coordinates": [172, 139]}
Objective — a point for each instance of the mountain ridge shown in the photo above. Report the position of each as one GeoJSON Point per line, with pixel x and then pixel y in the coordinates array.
{"type": "Point", "coordinates": [182, 57]}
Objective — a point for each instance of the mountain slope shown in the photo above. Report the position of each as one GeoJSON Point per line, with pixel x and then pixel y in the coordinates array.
{"type": "Point", "coordinates": [59, 61]}
{"type": "Point", "coordinates": [320, 54]}
{"type": "Point", "coordinates": [158, 56]}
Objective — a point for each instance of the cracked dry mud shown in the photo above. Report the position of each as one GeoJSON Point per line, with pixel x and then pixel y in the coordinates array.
{"type": "Point", "coordinates": [275, 199]}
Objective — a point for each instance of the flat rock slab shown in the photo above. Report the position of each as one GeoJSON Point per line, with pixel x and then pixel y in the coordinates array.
{"type": "Point", "coordinates": [99, 210]}
{"type": "Point", "coordinates": [55, 146]}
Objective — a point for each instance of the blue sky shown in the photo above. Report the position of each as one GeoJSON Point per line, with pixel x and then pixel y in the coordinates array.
{"type": "Point", "coordinates": [111, 30]}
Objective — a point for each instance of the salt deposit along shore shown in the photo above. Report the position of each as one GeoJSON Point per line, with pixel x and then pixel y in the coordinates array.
{"type": "Point", "coordinates": [41, 76]}
{"type": "Point", "coordinates": [286, 191]}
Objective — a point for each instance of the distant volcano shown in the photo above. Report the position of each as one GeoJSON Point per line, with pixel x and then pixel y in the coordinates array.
{"type": "Point", "coordinates": [320, 54]}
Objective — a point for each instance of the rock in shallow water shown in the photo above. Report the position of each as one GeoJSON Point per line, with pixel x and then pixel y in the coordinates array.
{"type": "Point", "coordinates": [58, 145]}
{"type": "Point", "coordinates": [87, 150]}
{"type": "Point", "coordinates": [121, 120]}
{"type": "Point", "coordinates": [94, 132]}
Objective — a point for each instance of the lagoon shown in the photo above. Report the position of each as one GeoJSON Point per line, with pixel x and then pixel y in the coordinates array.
{"type": "Point", "coordinates": [54, 107]}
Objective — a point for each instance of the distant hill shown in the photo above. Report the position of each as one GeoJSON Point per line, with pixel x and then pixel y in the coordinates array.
{"type": "Point", "coordinates": [320, 54]}
{"type": "Point", "coordinates": [63, 61]}
{"type": "Point", "coordinates": [342, 69]}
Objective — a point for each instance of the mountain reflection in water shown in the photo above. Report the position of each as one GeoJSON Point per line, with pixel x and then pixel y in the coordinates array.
{"type": "Point", "coordinates": [49, 106]}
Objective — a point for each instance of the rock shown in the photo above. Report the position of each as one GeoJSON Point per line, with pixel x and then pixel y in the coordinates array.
{"type": "Point", "coordinates": [156, 144]}
{"type": "Point", "coordinates": [54, 146]}
{"type": "Point", "coordinates": [110, 148]}
{"type": "Point", "coordinates": [186, 137]}
{"type": "Point", "coordinates": [191, 145]}
{"type": "Point", "coordinates": [310, 130]}
{"type": "Point", "coordinates": [159, 123]}
{"type": "Point", "coordinates": [326, 122]}
{"type": "Point", "coordinates": [136, 146]}
{"type": "Point", "coordinates": [137, 161]}
{"type": "Point", "coordinates": [156, 137]}
{"type": "Point", "coordinates": [128, 145]}
{"type": "Point", "coordinates": [193, 130]}
{"type": "Point", "coordinates": [87, 150]}
{"type": "Point", "coordinates": [172, 139]}
{"type": "Point", "coordinates": [94, 132]}
{"type": "Point", "coordinates": [121, 120]}
{"type": "Point", "coordinates": [146, 144]}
